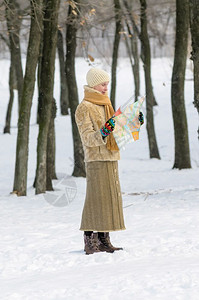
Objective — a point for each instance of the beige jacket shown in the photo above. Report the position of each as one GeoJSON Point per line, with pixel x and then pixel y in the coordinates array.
{"type": "Point", "coordinates": [90, 118]}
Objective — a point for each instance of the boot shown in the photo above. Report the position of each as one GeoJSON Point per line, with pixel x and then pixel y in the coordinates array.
{"type": "Point", "coordinates": [91, 243]}
{"type": "Point", "coordinates": [87, 233]}
{"type": "Point", "coordinates": [105, 243]}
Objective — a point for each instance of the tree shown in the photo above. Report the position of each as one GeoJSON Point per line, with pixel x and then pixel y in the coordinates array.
{"type": "Point", "coordinates": [14, 24]}
{"type": "Point", "coordinates": [12, 86]}
{"type": "Point", "coordinates": [182, 154]}
{"type": "Point", "coordinates": [194, 24]}
{"type": "Point", "coordinates": [39, 75]}
{"type": "Point", "coordinates": [50, 161]}
{"type": "Point", "coordinates": [46, 91]}
{"type": "Point", "coordinates": [63, 82]}
{"type": "Point", "coordinates": [135, 33]}
{"type": "Point", "coordinates": [133, 48]}
{"type": "Point", "coordinates": [20, 178]}
{"type": "Point", "coordinates": [118, 28]}
{"type": "Point", "coordinates": [79, 166]}
{"type": "Point", "coordinates": [146, 58]}
{"type": "Point", "coordinates": [12, 78]}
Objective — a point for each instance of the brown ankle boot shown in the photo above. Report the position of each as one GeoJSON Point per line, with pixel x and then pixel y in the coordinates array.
{"type": "Point", "coordinates": [91, 243]}
{"type": "Point", "coordinates": [105, 243]}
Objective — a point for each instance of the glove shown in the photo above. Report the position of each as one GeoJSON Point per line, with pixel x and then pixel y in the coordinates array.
{"type": "Point", "coordinates": [141, 118]}
{"type": "Point", "coordinates": [108, 127]}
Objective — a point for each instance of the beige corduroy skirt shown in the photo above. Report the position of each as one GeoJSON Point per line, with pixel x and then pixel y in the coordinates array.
{"type": "Point", "coordinates": [102, 210]}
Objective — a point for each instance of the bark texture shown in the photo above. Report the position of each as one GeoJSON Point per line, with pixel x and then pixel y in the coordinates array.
{"type": "Point", "coordinates": [132, 32]}
{"type": "Point", "coordinates": [50, 163]}
{"type": "Point", "coordinates": [146, 58]}
{"type": "Point", "coordinates": [64, 103]}
{"type": "Point", "coordinates": [194, 23]}
{"type": "Point", "coordinates": [46, 89]}
{"type": "Point", "coordinates": [118, 28]}
{"type": "Point", "coordinates": [79, 166]}
{"type": "Point", "coordinates": [14, 25]}
{"type": "Point", "coordinates": [182, 154]}
{"type": "Point", "coordinates": [20, 178]}
{"type": "Point", "coordinates": [11, 99]}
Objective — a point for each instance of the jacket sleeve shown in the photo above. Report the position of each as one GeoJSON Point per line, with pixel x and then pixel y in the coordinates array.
{"type": "Point", "coordinates": [89, 136]}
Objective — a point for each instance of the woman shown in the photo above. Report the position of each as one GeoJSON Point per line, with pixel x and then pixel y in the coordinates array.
{"type": "Point", "coordinates": [102, 211]}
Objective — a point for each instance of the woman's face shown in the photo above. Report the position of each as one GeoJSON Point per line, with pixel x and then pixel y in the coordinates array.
{"type": "Point", "coordinates": [102, 88]}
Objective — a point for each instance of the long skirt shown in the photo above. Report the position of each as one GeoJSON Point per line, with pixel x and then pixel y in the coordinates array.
{"type": "Point", "coordinates": [103, 210]}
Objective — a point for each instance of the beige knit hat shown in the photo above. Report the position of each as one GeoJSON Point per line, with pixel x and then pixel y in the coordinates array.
{"type": "Point", "coordinates": [96, 76]}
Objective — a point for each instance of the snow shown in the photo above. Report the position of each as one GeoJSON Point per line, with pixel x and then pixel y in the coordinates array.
{"type": "Point", "coordinates": [41, 247]}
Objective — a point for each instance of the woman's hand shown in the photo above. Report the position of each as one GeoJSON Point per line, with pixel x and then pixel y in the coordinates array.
{"type": "Point", "coordinates": [141, 118]}
{"type": "Point", "coordinates": [108, 127]}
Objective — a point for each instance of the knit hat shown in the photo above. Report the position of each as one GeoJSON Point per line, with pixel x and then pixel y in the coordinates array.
{"type": "Point", "coordinates": [96, 76]}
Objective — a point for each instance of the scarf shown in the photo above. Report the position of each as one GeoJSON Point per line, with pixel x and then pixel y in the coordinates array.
{"type": "Point", "coordinates": [97, 98]}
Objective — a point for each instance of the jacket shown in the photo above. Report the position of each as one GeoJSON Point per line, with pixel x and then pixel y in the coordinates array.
{"type": "Point", "coordinates": [90, 118]}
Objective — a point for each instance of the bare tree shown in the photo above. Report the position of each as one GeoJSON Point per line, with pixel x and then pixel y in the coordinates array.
{"type": "Point", "coordinates": [50, 160]}
{"type": "Point", "coordinates": [20, 178]}
{"type": "Point", "coordinates": [146, 58]}
{"type": "Point", "coordinates": [182, 154]}
{"type": "Point", "coordinates": [118, 28]}
{"type": "Point", "coordinates": [14, 25]}
{"type": "Point", "coordinates": [12, 86]}
{"type": "Point", "coordinates": [79, 166]}
{"type": "Point", "coordinates": [46, 91]}
{"type": "Point", "coordinates": [194, 23]}
{"type": "Point", "coordinates": [12, 79]}
{"type": "Point", "coordinates": [64, 103]}
{"type": "Point", "coordinates": [133, 48]}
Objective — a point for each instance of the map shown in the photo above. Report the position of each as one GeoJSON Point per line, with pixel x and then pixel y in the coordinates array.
{"type": "Point", "coordinates": [127, 125]}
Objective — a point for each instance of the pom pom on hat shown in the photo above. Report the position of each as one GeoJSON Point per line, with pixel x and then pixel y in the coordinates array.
{"type": "Point", "coordinates": [96, 76]}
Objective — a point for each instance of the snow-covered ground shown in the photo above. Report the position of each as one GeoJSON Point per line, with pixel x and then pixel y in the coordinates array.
{"type": "Point", "coordinates": [41, 247]}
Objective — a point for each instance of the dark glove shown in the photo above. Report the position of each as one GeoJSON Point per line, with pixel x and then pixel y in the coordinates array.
{"type": "Point", "coordinates": [108, 127]}
{"type": "Point", "coordinates": [141, 118]}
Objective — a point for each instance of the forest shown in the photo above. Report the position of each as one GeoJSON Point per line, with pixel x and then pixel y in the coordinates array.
{"type": "Point", "coordinates": [150, 48]}
{"type": "Point", "coordinates": [40, 31]}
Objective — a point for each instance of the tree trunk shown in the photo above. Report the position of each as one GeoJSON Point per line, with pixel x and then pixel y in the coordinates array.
{"type": "Point", "coordinates": [46, 89]}
{"type": "Point", "coordinates": [146, 58]}
{"type": "Point", "coordinates": [50, 163]}
{"type": "Point", "coordinates": [64, 103]}
{"type": "Point", "coordinates": [129, 53]}
{"type": "Point", "coordinates": [194, 22]}
{"type": "Point", "coordinates": [134, 48]}
{"type": "Point", "coordinates": [79, 166]}
{"type": "Point", "coordinates": [136, 34]}
{"type": "Point", "coordinates": [11, 99]}
{"type": "Point", "coordinates": [20, 178]}
{"type": "Point", "coordinates": [118, 27]}
{"type": "Point", "coordinates": [136, 65]}
{"type": "Point", "coordinates": [39, 75]}
{"type": "Point", "coordinates": [182, 155]}
{"type": "Point", "coordinates": [13, 25]}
